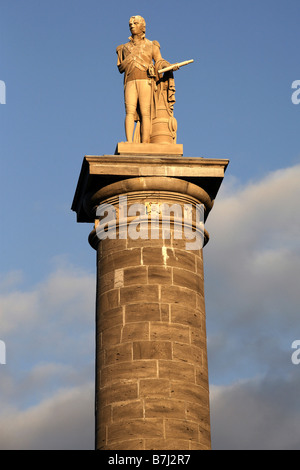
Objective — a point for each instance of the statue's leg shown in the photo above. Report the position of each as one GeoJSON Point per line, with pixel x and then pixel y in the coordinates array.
{"type": "Point", "coordinates": [145, 90]}
{"type": "Point", "coordinates": [131, 97]}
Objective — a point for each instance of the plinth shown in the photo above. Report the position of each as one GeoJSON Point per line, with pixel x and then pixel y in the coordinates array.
{"type": "Point", "coordinates": [152, 387]}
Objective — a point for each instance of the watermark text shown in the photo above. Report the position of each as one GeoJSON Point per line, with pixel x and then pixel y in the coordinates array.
{"type": "Point", "coordinates": [296, 94]}
{"type": "Point", "coordinates": [2, 352]}
{"type": "Point", "coordinates": [2, 92]}
{"type": "Point", "coordinates": [151, 221]}
{"type": "Point", "coordinates": [296, 354]}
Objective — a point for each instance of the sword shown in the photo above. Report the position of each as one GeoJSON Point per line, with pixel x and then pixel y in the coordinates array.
{"type": "Point", "coordinates": [178, 64]}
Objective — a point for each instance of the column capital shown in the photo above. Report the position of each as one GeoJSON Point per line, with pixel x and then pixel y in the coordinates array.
{"type": "Point", "coordinates": [199, 177]}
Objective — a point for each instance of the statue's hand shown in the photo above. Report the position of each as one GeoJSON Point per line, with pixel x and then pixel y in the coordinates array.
{"type": "Point", "coordinates": [151, 71]}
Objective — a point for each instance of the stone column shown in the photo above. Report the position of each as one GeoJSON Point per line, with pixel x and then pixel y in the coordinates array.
{"type": "Point", "coordinates": [152, 389]}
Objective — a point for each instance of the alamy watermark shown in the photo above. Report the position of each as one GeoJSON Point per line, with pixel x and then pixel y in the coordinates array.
{"type": "Point", "coordinates": [2, 352]}
{"type": "Point", "coordinates": [296, 354]}
{"type": "Point", "coordinates": [2, 92]}
{"type": "Point", "coordinates": [151, 221]}
{"type": "Point", "coordinates": [296, 94]}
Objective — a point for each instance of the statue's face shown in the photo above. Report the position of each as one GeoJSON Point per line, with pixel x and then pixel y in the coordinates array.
{"type": "Point", "coordinates": [136, 25]}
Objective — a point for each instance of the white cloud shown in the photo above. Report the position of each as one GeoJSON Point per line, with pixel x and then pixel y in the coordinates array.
{"type": "Point", "coordinates": [62, 422]}
{"type": "Point", "coordinates": [46, 390]}
{"type": "Point", "coordinates": [61, 304]}
{"type": "Point", "coordinates": [16, 309]}
{"type": "Point", "coordinates": [264, 211]}
{"type": "Point", "coordinates": [257, 414]}
{"type": "Point", "coordinates": [252, 261]}
{"type": "Point", "coordinates": [9, 280]}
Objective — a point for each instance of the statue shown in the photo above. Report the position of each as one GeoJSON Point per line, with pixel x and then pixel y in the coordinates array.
{"type": "Point", "coordinates": [149, 88]}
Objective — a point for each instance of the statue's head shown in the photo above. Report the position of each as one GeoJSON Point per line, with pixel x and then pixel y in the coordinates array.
{"type": "Point", "coordinates": [137, 25]}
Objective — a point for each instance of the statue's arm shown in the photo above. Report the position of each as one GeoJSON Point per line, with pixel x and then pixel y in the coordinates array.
{"type": "Point", "coordinates": [121, 62]}
{"type": "Point", "coordinates": [159, 61]}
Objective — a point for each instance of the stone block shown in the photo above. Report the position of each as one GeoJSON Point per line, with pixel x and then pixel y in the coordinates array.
{"type": "Point", "coordinates": [159, 275]}
{"type": "Point", "coordinates": [196, 446]}
{"type": "Point", "coordinates": [111, 245]}
{"type": "Point", "coordinates": [133, 409]}
{"type": "Point", "coordinates": [134, 428]}
{"type": "Point", "coordinates": [162, 331]}
{"type": "Point", "coordinates": [173, 370]}
{"type": "Point", "coordinates": [120, 259]}
{"type": "Point", "coordinates": [190, 392]}
{"type": "Point", "coordinates": [181, 259]}
{"type": "Point", "coordinates": [106, 414]}
{"type": "Point", "coordinates": [143, 311]}
{"type": "Point", "coordinates": [136, 294]}
{"type": "Point", "coordinates": [135, 275]}
{"type": "Point", "coordinates": [106, 282]}
{"type": "Point", "coordinates": [165, 408]}
{"type": "Point", "coordinates": [101, 436]}
{"type": "Point", "coordinates": [186, 316]}
{"type": "Point", "coordinates": [152, 350]}
{"type": "Point", "coordinates": [159, 388]}
{"type": "Point", "coordinates": [178, 295]}
{"type": "Point", "coordinates": [199, 265]}
{"type": "Point", "coordinates": [135, 332]}
{"type": "Point", "coordinates": [108, 300]}
{"type": "Point", "coordinates": [116, 394]}
{"type": "Point", "coordinates": [200, 300]}
{"type": "Point", "coordinates": [204, 437]}
{"type": "Point", "coordinates": [198, 338]}
{"type": "Point", "coordinates": [128, 371]}
{"type": "Point", "coordinates": [111, 336]}
{"type": "Point", "coordinates": [110, 318]}
{"type": "Point", "coordinates": [202, 376]}
{"type": "Point", "coordinates": [133, 148]}
{"type": "Point", "coordinates": [164, 312]}
{"type": "Point", "coordinates": [132, 444]}
{"type": "Point", "coordinates": [185, 278]}
{"type": "Point", "coordinates": [169, 444]}
{"type": "Point", "coordinates": [153, 256]}
{"type": "Point", "coordinates": [118, 278]}
{"type": "Point", "coordinates": [182, 429]}
{"type": "Point", "coordinates": [149, 242]}
{"type": "Point", "coordinates": [199, 414]}
{"type": "Point", "coordinates": [119, 353]}
{"type": "Point", "coordinates": [187, 353]}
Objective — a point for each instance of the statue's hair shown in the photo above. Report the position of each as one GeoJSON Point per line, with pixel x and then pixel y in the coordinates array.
{"type": "Point", "coordinates": [142, 20]}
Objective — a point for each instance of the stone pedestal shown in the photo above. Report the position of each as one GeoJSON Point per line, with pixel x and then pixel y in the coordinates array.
{"type": "Point", "coordinates": [151, 357]}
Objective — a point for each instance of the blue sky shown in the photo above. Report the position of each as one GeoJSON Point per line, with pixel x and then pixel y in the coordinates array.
{"type": "Point", "coordinates": [64, 100]}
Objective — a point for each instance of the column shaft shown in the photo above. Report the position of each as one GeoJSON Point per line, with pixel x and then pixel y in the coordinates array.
{"type": "Point", "coordinates": [152, 377]}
